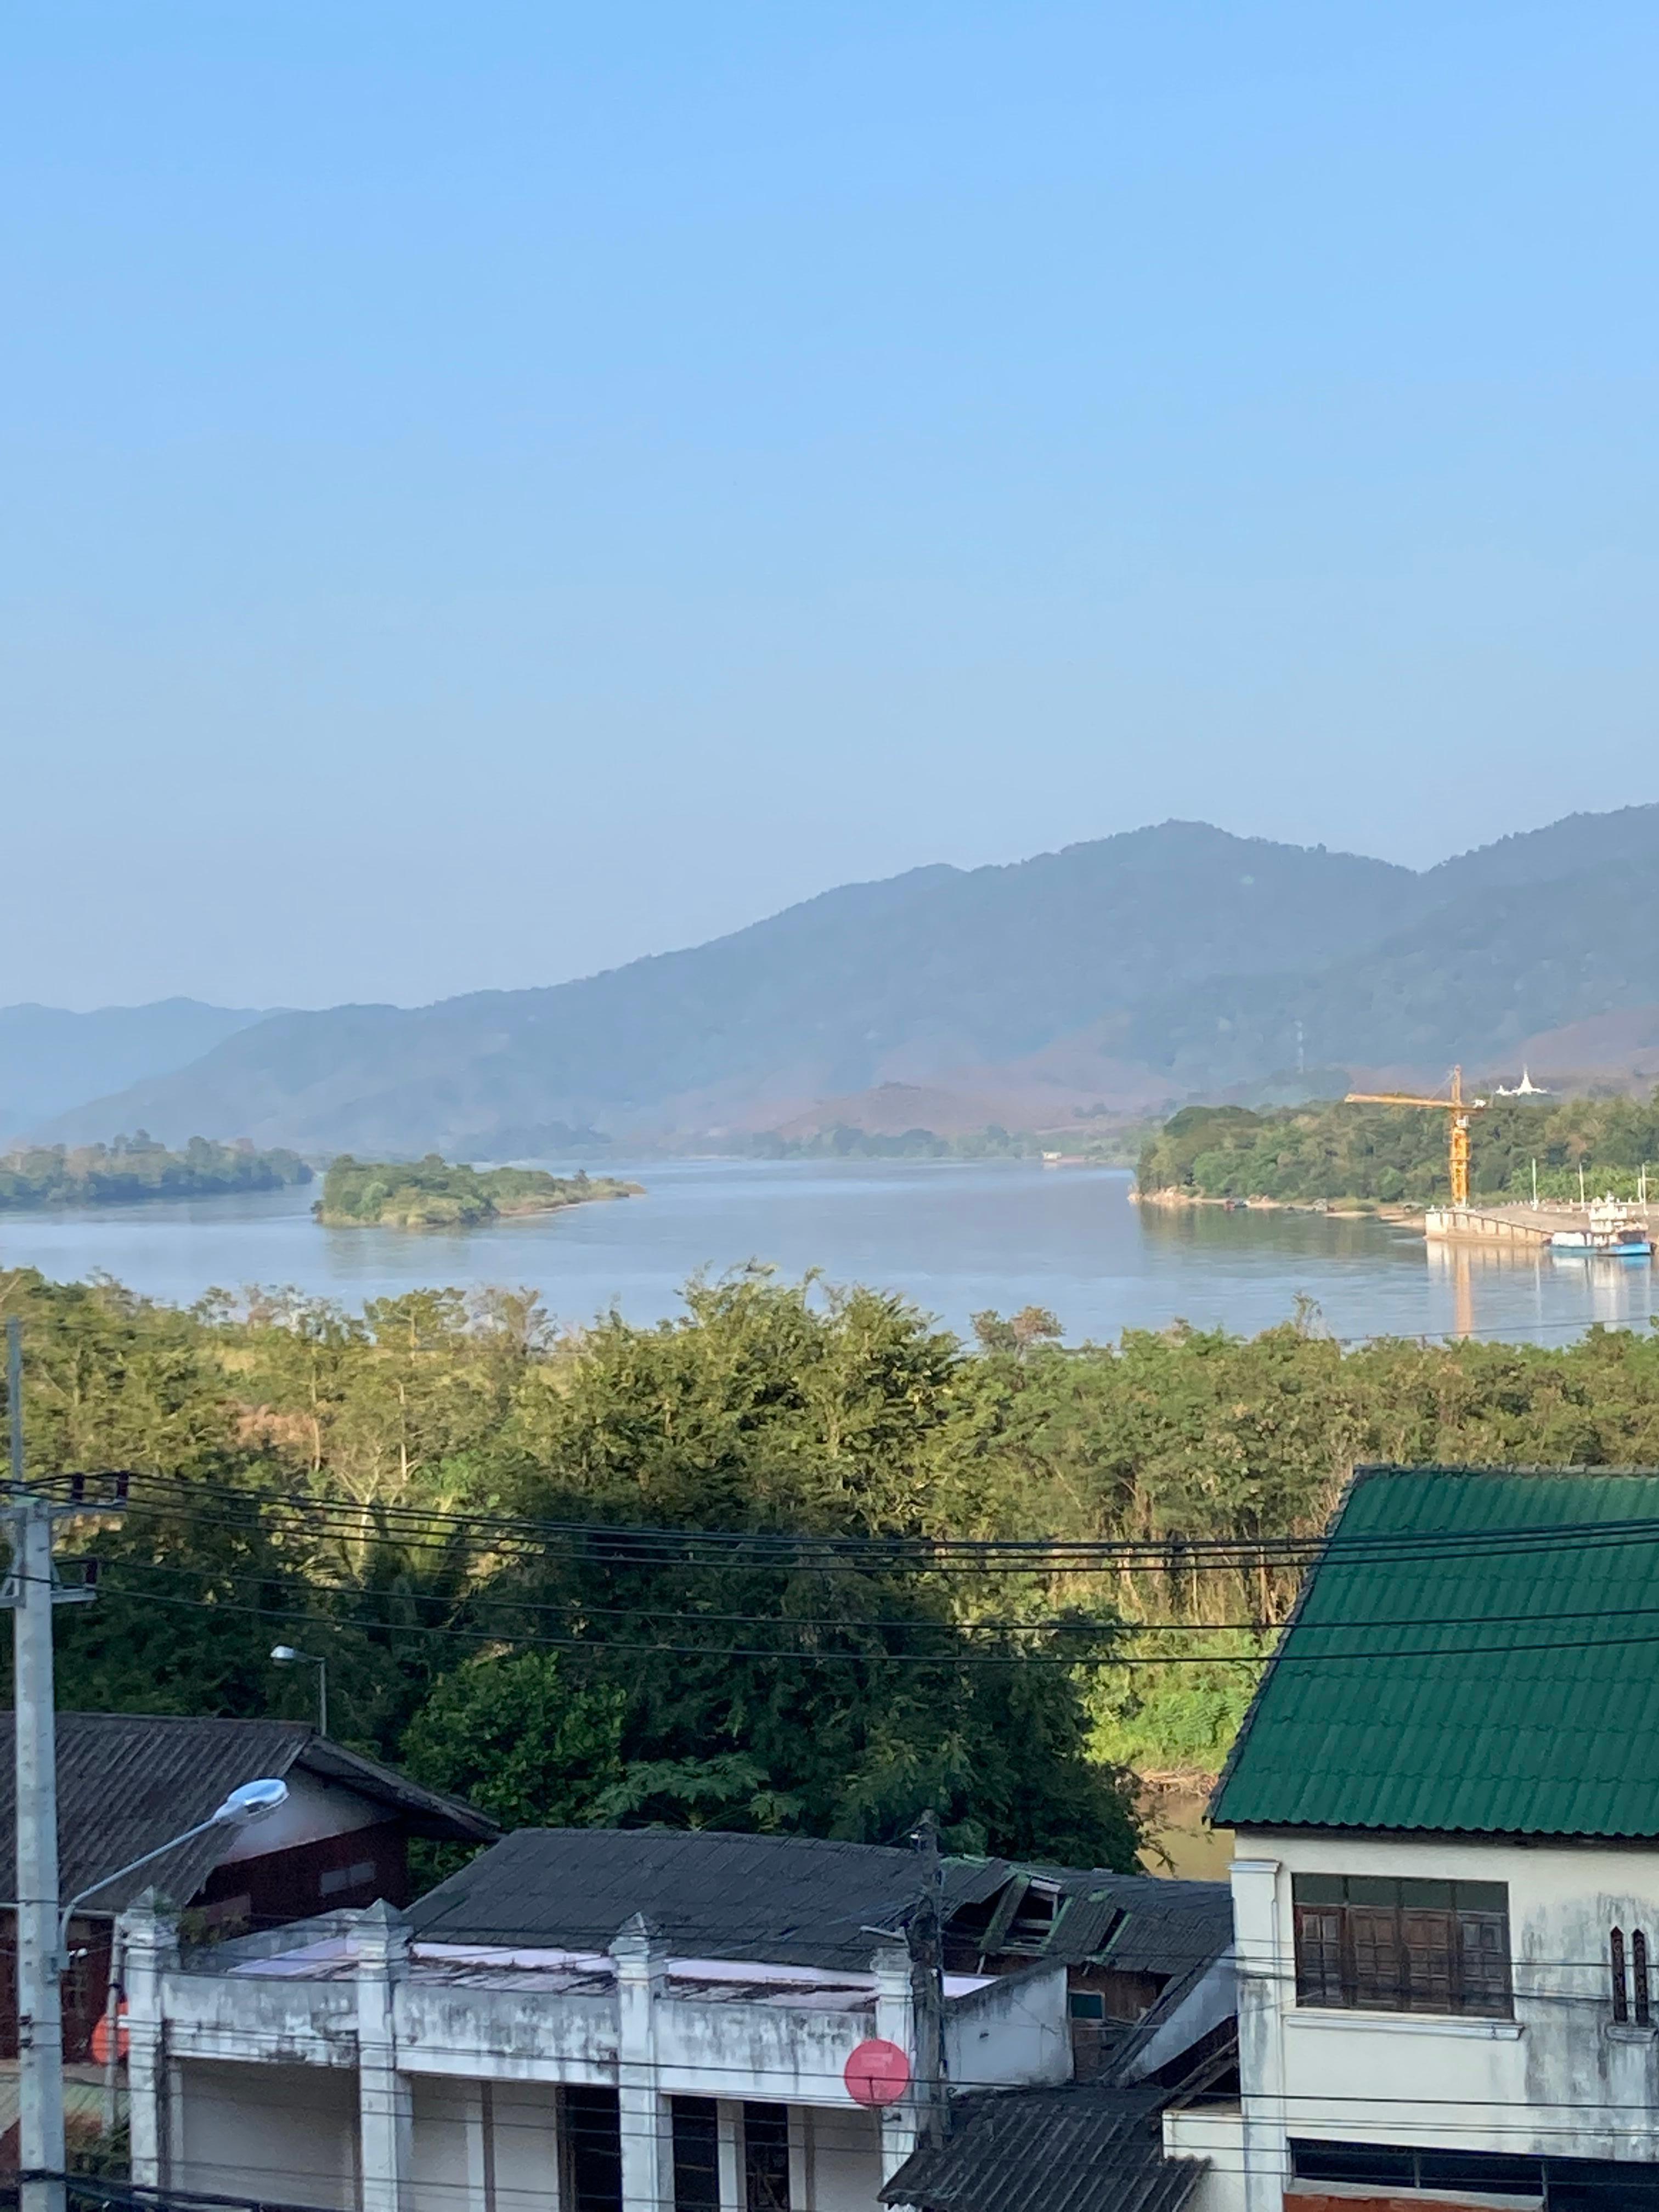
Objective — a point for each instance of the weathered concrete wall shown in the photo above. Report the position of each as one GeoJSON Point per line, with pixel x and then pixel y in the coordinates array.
{"type": "Point", "coordinates": [525, 2124]}
{"type": "Point", "coordinates": [283, 2131]}
{"type": "Point", "coordinates": [1015, 2030]}
{"type": "Point", "coordinates": [303, 2023]}
{"type": "Point", "coordinates": [444, 2167]}
{"type": "Point", "coordinates": [1218, 2136]}
{"type": "Point", "coordinates": [844, 2167]}
{"type": "Point", "coordinates": [1560, 2077]}
{"type": "Point", "coordinates": [772, 2052]}
{"type": "Point", "coordinates": [506, 2035]}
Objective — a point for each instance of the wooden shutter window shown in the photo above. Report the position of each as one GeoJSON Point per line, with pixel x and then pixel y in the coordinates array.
{"type": "Point", "coordinates": [1621, 1987]}
{"type": "Point", "coordinates": [1385, 1944]}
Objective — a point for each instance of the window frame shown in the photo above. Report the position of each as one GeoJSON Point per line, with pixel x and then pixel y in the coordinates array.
{"type": "Point", "coordinates": [1399, 1944]}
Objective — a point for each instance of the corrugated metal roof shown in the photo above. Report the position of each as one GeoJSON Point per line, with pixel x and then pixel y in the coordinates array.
{"type": "Point", "coordinates": [1474, 1652]}
{"type": "Point", "coordinates": [128, 1781]}
{"type": "Point", "coordinates": [789, 1899]}
{"type": "Point", "coordinates": [1169, 1927]}
{"type": "Point", "coordinates": [1073, 2149]}
{"type": "Point", "coordinates": [798, 1899]}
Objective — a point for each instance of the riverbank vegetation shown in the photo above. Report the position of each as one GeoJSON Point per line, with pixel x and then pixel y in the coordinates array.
{"type": "Point", "coordinates": [1390, 1155]}
{"type": "Point", "coordinates": [437, 1193]}
{"type": "Point", "coordinates": [134, 1169]}
{"type": "Point", "coordinates": [360, 1485]}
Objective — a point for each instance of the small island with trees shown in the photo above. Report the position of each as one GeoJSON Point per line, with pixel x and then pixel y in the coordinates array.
{"type": "Point", "coordinates": [438, 1194]}
{"type": "Point", "coordinates": [134, 1169]}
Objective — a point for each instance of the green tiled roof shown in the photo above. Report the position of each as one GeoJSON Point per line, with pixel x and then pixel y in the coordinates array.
{"type": "Point", "coordinates": [1475, 1651]}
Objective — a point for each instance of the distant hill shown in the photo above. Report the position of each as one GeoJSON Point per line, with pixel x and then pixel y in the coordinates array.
{"type": "Point", "coordinates": [51, 1059]}
{"type": "Point", "coordinates": [1121, 976]}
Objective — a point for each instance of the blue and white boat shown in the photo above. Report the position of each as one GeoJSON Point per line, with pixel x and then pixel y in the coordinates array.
{"type": "Point", "coordinates": [1611, 1231]}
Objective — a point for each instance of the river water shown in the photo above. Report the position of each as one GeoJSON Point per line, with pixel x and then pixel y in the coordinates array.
{"type": "Point", "coordinates": [955, 1237]}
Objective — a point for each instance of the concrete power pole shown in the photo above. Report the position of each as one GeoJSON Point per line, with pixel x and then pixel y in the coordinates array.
{"type": "Point", "coordinates": [925, 1930]}
{"type": "Point", "coordinates": [32, 1590]}
{"type": "Point", "coordinates": [39, 1991]}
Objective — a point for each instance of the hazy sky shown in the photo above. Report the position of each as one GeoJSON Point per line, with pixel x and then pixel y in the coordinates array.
{"type": "Point", "coordinates": [490, 490]}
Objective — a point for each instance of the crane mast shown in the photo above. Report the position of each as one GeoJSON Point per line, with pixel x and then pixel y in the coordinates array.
{"type": "Point", "coordinates": [1460, 1110]}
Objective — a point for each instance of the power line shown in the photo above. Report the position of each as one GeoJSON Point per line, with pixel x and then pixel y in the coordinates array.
{"type": "Point", "coordinates": [650, 1546]}
{"type": "Point", "coordinates": [1124, 1630]}
{"type": "Point", "coordinates": [1008, 1659]}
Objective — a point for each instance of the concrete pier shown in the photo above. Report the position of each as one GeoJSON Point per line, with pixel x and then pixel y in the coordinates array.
{"type": "Point", "coordinates": [1498, 1225]}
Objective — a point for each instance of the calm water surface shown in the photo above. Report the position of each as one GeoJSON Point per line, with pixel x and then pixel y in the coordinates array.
{"type": "Point", "coordinates": [955, 1237]}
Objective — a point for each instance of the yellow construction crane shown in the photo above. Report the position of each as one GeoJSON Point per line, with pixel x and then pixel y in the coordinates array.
{"type": "Point", "coordinates": [1457, 1106]}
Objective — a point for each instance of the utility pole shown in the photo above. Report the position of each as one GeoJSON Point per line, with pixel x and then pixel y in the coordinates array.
{"type": "Point", "coordinates": [925, 1931]}
{"type": "Point", "coordinates": [32, 1588]}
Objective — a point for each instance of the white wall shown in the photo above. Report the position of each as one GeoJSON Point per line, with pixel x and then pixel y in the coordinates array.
{"type": "Point", "coordinates": [312, 1811]}
{"type": "Point", "coordinates": [526, 2147]}
{"type": "Point", "coordinates": [283, 2131]}
{"type": "Point", "coordinates": [1016, 2029]}
{"type": "Point", "coordinates": [444, 2118]}
{"type": "Point", "coordinates": [1216, 2135]}
{"type": "Point", "coordinates": [843, 2159]}
{"type": "Point", "coordinates": [1558, 2078]}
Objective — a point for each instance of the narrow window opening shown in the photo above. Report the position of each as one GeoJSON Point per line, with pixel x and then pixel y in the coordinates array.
{"type": "Point", "coordinates": [696, 2154]}
{"type": "Point", "coordinates": [1638, 1973]}
{"type": "Point", "coordinates": [1620, 1985]}
{"type": "Point", "coordinates": [591, 2134]}
{"type": "Point", "coordinates": [766, 2158]}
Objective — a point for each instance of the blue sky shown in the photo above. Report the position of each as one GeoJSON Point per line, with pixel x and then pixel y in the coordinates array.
{"type": "Point", "coordinates": [490, 491]}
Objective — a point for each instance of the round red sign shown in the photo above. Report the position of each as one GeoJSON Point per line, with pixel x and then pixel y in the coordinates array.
{"type": "Point", "coordinates": [877, 2073]}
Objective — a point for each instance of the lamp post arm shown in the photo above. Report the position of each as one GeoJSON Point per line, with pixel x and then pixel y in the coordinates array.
{"type": "Point", "coordinates": [131, 1867]}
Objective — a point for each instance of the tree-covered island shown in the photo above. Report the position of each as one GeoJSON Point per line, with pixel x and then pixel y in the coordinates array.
{"type": "Point", "coordinates": [438, 1194]}
{"type": "Point", "coordinates": [137, 1168]}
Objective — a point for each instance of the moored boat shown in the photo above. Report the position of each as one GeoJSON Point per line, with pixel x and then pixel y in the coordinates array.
{"type": "Point", "coordinates": [1612, 1231]}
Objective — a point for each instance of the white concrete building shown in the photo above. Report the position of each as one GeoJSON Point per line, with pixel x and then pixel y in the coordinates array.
{"type": "Point", "coordinates": [342, 2065]}
{"type": "Point", "coordinates": [1445, 1803]}
{"type": "Point", "coordinates": [582, 2020]}
{"type": "Point", "coordinates": [356, 2061]}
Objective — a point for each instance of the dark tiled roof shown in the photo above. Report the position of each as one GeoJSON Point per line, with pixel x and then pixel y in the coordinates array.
{"type": "Point", "coordinates": [1460, 1661]}
{"type": "Point", "coordinates": [1078, 2149]}
{"type": "Point", "coordinates": [792, 1901]}
{"type": "Point", "coordinates": [126, 1782]}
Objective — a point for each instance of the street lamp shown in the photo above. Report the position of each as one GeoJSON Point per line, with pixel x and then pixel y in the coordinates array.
{"type": "Point", "coordinates": [286, 1655]}
{"type": "Point", "coordinates": [251, 1803]}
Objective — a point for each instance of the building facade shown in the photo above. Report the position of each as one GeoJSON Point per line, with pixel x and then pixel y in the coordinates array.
{"type": "Point", "coordinates": [501, 2049]}
{"type": "Point", "coordinates": [1446, 1879]}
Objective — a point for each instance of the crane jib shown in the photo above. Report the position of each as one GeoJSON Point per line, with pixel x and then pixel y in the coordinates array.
{"type": "Point", "coordinates": [1457, 1106]}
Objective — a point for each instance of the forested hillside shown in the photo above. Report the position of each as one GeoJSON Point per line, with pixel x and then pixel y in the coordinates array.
{"type": "Point", "coordinates": [1125, 974]}
{"type": "Point", "coordinates": [51, 1059]}
{"type": "Point", "coordinates": [340, 1482]}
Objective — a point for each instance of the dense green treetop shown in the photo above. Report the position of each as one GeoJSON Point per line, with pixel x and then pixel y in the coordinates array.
{"type": "Point", "coordinates": [137, 1168]}
{"type": "Point", "coordinates": [595, 1677]}
{"type": "Point", "coordinates": [1398, 1155]}
{"type": "Point", "coordinates": [437, 1193]}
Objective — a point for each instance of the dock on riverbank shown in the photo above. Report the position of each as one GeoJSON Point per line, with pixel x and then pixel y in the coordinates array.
{"type": "Point", "coordinates": [1518, 1224]}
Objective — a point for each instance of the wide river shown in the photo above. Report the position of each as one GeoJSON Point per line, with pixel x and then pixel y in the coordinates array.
{"type": "Point", "coordinates": [955, 1238]}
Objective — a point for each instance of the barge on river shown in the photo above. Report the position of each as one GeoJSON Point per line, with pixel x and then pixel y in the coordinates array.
{"type": "Point", "coordinates": [1605, 1230]}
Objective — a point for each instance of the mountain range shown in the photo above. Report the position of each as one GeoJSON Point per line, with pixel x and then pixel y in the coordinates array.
{"type": "Point", "coordinates": [1118, 977]}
